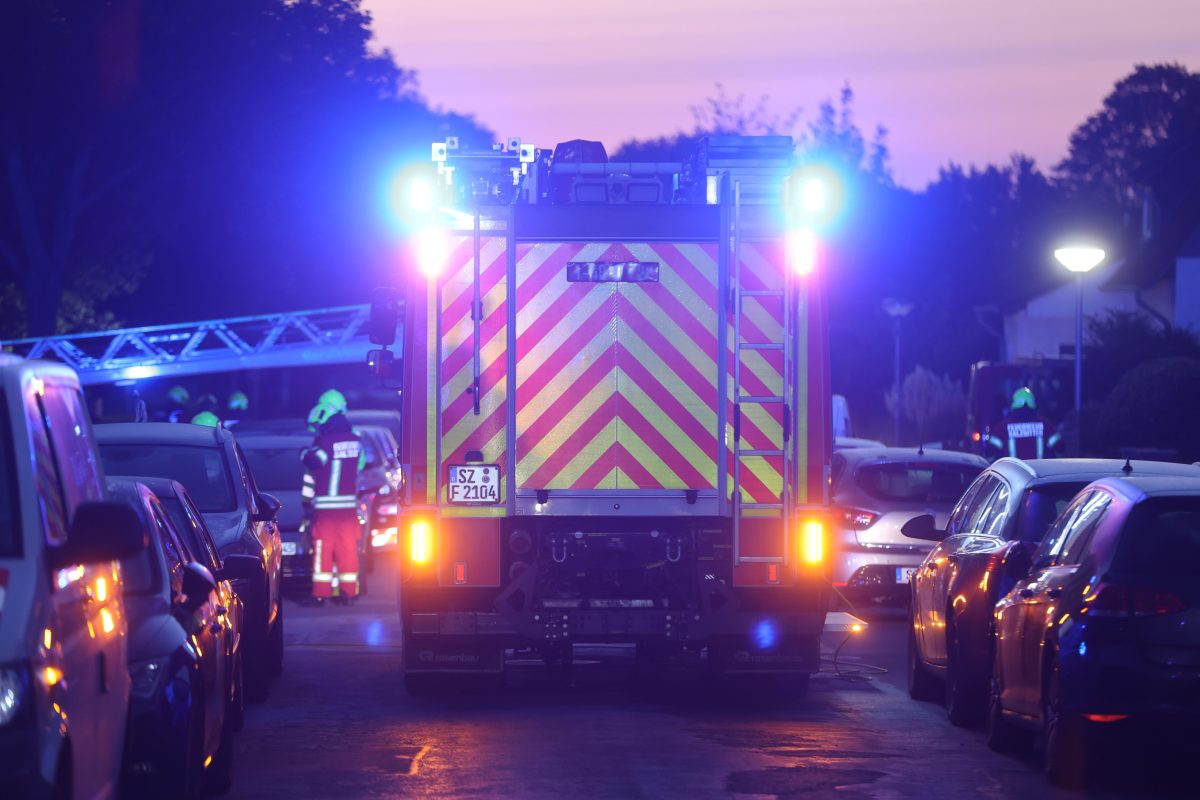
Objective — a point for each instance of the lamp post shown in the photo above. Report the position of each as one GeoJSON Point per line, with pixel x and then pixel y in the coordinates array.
{"type": "Point", "coordinates": [897, 310]}
{"type": "Point", "coordinates": [1080, 261]}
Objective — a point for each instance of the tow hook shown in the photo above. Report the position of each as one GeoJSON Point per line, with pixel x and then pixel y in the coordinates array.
{"type": "Point", "coordinates": [555, 544]}
{"type": "Point", "coordinates": [678, 553]}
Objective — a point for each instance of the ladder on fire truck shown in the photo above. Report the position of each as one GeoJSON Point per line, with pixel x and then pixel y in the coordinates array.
{"type": "Point", "coordinates": [742, 400]}
{"type": "Point", "coordinates": [298, 338]}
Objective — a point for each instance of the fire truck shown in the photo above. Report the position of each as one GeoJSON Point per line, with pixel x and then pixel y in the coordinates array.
{"type": "Point", "coordinates": [615, 392]}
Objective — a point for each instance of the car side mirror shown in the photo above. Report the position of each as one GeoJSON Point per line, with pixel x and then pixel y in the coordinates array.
{"type": "Point", "coordinates": [269, 506]}
{"type": "Point", "coordinates": [198, 585]}
{"type": "Point", "coordinates": [238, 566]}
{"type": "Point", "coordinates": [101, 531]}
{"type": "Point", "coordinates": [385, 316]}
{"type": "Point", "coordinates": [923, 527]}
{"type": "Point", "coordinates": [380, 362]}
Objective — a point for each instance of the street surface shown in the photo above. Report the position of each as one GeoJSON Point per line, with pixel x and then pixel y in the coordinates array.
{"type": "Point", "coordinates": [339, 724]}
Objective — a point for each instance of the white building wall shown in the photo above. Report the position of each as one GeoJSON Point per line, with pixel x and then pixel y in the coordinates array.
{"type": "Point", "coordinates": [1187, 293]}
{"type": "Point", "coordinates": [1047, 322]}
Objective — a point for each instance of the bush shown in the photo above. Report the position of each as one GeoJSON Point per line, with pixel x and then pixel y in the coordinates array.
{"type": "Point", "coordinates": [1154, 406]}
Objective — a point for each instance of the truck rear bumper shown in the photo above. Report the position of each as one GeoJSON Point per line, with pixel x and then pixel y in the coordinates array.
{"type": "Point", "coordinates": [749, 642]}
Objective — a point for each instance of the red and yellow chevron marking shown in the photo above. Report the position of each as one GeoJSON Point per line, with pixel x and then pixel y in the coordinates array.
{"type": "Point", "coordinates": [617, 382]}
{"type": "Point", "coordinates": [461, 428]}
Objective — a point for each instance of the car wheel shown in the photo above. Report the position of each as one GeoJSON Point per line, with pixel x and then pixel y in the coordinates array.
{"type": "Point", "coordinates": [275, 644]}
{"type": "Point", "coordinates": [1063, 746]}
{"type": "Point", "coordinates": [238, 706]}
{"type": "Point", "coordinates": [64, 784]}
{"type": "Point", "coordinates": [257, 667]}
{"type": "Point", "coordinates": [921, 685]}
{"type": "Point", "coordinates": [218, 777]}
{"type": "Point", "coordinates": [964, 699]}
{"type": "Point", "coordinates": [1002, 735]}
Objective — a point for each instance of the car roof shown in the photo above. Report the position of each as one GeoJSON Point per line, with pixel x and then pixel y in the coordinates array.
{"type": "Point", "coordinates": [162, 433]}
{"type": "Point", "coordinates": [15, 371]}
{"type": "Point", "coordinates": [858, 455]}
{"type": "Point", "coordinates": [159, 487]}
{"type": "Point", "coordinates": [1138, 489]}
{"type": "Point", "coordinates": [130, 489]}
{"type": "Point", "coordinates": [262, 440]}
{"type": "Point", "coordinates": [1086, 470]}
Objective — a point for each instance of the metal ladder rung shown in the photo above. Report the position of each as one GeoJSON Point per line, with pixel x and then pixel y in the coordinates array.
{"type": "Point", "coordinates": [776, 506]}
{"type": "Point", "coordinates": [762, 292]}
{"type": "Point", "coordinates": [762, 559]}
{"type": "Point", "coordinates": [759, 452]}
{"type": "Point", "coordinates": [761, 346]}
{"type": "Point", "coordinates": [761, 398]}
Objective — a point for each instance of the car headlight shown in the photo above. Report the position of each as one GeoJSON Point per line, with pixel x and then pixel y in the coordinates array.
{"type": "Point", "coordinates": [146, 676]}
{"type": "Point", "coordinates": [14, 691]}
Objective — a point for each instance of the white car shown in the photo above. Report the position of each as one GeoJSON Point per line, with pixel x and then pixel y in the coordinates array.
{"type": "Point", "coordinates": [875, 491]}
{"type": "Point", "coordinates": [64, 682]}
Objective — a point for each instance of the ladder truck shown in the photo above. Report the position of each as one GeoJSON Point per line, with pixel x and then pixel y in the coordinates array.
{"type": "Point", "coordinates": [615, 392]}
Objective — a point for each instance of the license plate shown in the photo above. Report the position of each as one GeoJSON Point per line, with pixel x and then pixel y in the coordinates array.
{"type": "Point", "coordinates": [477, 483]}
{"type": "Point", "coordinates": [289, 548]}
{"type": "Point", "coordinates": [904, 574]}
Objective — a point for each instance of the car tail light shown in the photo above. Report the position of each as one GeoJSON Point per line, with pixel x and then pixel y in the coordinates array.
{"type": "Point", "coordinates": [1114, 600]}
{"type": "Point", "coordinates": [857, 518]}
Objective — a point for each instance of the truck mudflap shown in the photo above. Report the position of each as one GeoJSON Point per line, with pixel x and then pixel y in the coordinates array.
{"type": "Point", "coordinates": [448, 654]}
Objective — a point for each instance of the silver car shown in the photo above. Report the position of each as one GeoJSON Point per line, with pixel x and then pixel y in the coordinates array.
{"type": "Point", "coordinates": [875, 491]}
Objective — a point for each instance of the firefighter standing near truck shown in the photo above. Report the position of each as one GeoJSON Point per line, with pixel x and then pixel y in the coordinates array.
{"type": "Point", "coordinates": [330, 489]}
{"type": "Point", "coordinates": [1023, 433]}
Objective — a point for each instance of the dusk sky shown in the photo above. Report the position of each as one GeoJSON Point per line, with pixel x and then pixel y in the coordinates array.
{"type": "Point", "coordinates": [970, 81]}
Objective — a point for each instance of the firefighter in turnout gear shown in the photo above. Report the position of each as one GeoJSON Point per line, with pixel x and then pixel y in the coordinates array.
{"type": "Point", "coordinates": [330, 490]}
{"type": "Point", "coordinates": [1024, 433]}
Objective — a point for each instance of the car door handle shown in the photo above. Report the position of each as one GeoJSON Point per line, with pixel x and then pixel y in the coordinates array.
{"type": "Point", "coordinates": [1026, 593]}
{"type": "Point", "coordinates": [1054, 593]}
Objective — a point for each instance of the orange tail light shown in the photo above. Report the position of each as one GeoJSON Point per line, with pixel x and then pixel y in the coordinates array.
{"type": "Point", "coordinates": [420, 542]}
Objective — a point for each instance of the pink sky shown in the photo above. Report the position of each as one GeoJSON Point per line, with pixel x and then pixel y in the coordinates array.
{"type": "Point", "coordinates": [969, 81]}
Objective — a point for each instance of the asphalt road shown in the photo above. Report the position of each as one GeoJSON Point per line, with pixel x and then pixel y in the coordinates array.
{"type": "Point", "coordinates": [339, 724]}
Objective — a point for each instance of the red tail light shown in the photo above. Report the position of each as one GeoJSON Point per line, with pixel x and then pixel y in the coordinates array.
{"type": "Point", "coordinates": [857, 518]}
{"type": "Point", "coordinates": [1112, 600]}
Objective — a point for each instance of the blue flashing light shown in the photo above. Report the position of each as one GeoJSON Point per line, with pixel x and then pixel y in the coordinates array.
{"type": "Point", "coordinates": [1083, 648]}
{"type": "Point", "coordinates": [816, 195]}
{"type": "Point", "coordinates": [765, 634]}
{"type": "Point", "coordinates": [140, 372]}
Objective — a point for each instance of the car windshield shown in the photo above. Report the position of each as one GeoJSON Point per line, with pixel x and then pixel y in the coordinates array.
{"type": "Point", "coordinates": [10, 530]}
{"type": "Point", "coordinates": [202, 470]}
{"type": "Point", "coordinates": [276, 469]}
{"type": "Point", "coordinates": [939, 484]}
{"type": "Point", "coordinates": [1041, 506]}
{"type": "Point", "coordinates": [1162, 539]}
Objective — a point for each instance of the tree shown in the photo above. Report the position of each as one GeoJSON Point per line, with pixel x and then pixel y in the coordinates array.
{"type": "Point", "coordinates": [232, 152]}
{"type": "Point", "coordinates": [935, 405]}
{"type": "Point", "coordinates": [1118, 342]}
{"type": "Point", "coordinates": [1151, 407]}
{"type": "Point", "coordinates": [1144, 136]}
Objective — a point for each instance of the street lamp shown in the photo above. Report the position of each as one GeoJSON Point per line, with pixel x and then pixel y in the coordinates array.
{"type": "Point", "coordinates": [897, 310]}
{"type": "Point", "coordinates": [1080, 261]}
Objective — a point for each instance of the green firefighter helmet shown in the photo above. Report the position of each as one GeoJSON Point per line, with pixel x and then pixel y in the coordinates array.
{"type": "Point", "coordinates": [320, 414]}
{"type": "Point", "coordinates": [179, 395]}
{"type": "Point", "coordinates": [335, 399]}
{"type": "Point", "coordinates": [1023, 398]}
{"type": "Point", "coordinates": [207, 418]}
{"type": "Point", "coordinates": [238, 401]}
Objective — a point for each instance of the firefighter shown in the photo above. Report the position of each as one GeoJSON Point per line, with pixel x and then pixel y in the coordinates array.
{"type": "Point", "coordinates": [238, 401]}
{"type": "Point", "coordinates": [330, 489]}
{"type": "Point", "coordinates": [1023, 432]}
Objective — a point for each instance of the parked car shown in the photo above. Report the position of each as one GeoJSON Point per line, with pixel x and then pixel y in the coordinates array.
{"type": "Point", "coordinates": [62, 608]}
{"type": "Point", "coordinates": [379, 417]}
{"type": "Point", "coordinates": [180, 738]}
{"type": "Point", "coordinates": [275, 460]}
{"type": "Point", "coordinates": [211, 465]}
{"type": "Point", "coordinates": [378, 491]}
{"type": "Point", "coordinates": [1101, 640]}
{"type": "Point", "coordinates": [875, 491]}
{"type": "Point", "coordinates": [852, 443]}
{"type": "Point", "coordinates": [986, 545]}
{"type": "Point", "coordinates": [189, 523]}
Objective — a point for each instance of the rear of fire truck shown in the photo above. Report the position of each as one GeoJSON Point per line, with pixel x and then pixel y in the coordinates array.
{"type": "Point", "coordinates": [616, 398]}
